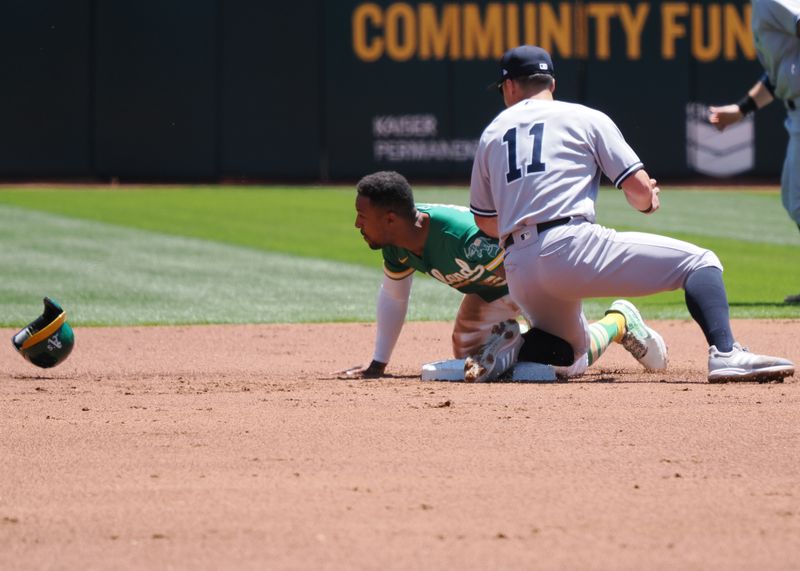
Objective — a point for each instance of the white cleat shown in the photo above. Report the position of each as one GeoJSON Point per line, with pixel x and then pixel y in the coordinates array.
{"type": "Point", "coordinates": [644, 343]}
{"type": "Point", "coordinates": [740, 365]}
{"type": "Point", "coordinates": [497, 356]}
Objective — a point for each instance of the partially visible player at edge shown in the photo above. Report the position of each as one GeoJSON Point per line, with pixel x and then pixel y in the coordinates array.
{"type": "Point", "coordinates": [535, 179]}
{"type": "Point", "coordinates": [776, 34]}
{"type": "Point", "coordinates": [443, 241]}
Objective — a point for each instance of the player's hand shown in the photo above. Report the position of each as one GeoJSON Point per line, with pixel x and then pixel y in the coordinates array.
{"type": "Point", "coordinates": [724, 116]}
{"type": "Point", "coordinates": [373, 370]}
{"type": "Point", "coordinates": [655, 202]}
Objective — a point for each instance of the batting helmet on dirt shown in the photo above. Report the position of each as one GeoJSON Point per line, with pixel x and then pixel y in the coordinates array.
{"type": "Point", "coordinates": [48, 340]}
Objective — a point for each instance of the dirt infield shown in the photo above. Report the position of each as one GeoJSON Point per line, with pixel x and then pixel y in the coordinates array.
{"type": "Point", "coordinates": [234, 448]}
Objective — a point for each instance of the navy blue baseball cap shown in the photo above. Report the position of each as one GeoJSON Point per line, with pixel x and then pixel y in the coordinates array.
{"type": "Point", "coordinates": [524, 61]}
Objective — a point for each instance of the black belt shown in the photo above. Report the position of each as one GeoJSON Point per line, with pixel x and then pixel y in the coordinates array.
{"type": "Point", "coordinates": [541, 227]}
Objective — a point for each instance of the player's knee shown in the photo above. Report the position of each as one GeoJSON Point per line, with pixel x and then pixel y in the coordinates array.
{"type": "Point", "coordinates": [707, 260]}
{"type": "Point", "coordinates": [543, 347]}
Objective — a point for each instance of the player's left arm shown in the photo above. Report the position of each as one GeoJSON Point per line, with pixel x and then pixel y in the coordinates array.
{"type": "Point", "coordinates": [391, 314]}
{"type": "Point", "coordinates": [481, 202]}
{"type": "Point", "coordinates": [758, 96]}
{"type": "Point", "coordinates": [784, 16]}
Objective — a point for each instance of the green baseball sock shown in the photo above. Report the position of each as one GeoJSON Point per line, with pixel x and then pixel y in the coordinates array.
{"type": "Point", "coordinates": [602, 333]}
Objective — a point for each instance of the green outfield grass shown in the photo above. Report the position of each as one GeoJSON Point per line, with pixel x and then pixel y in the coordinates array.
{"type": "Point", "coordinates": [248, 254]}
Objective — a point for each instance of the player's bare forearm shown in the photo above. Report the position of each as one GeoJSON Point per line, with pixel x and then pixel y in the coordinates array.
{"type": "Point", "coordinates": [761, 95]}
{"type": "Point", "coordinates": [727, 115]}
{"type": "Point", "coordinates": [487, 224]}
{"type": "Point", "coordinates": [641, 192]}
{"type": "Point", "coordinates": [724, 116]}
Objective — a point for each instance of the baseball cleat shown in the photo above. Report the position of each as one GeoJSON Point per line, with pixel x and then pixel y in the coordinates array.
{"type": "Point", "coordinates": [740, 365]}
{"type": "Point", "coordinates": [644, 343]}
{"type": "Point", "coordinates": [497, 356]}
{"type": "Point", "coordinates": [792, 298]}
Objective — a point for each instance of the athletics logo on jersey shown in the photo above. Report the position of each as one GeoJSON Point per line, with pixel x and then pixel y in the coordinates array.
{"type": "Point", "coordinates": [482, 248]}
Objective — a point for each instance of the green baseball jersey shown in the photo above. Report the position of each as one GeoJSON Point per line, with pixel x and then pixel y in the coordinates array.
{"type": "Point", "coordinates": [456, 253]}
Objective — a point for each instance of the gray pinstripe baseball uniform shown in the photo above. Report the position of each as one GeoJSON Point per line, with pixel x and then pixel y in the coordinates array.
{"type": "Point", "coordinates": [775, 32]}
{"type": "Point", "coordinates": [537, 168]}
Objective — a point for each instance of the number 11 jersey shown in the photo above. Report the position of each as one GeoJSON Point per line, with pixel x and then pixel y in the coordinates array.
{"type": "Point", "coordinates": [541, 160]}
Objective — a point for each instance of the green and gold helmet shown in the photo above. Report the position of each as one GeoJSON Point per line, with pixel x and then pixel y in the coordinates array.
{"type": "Point", "coordinates": [48, 340]}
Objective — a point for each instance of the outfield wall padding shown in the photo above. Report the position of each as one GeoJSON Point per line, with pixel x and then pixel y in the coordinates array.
{"type": "Point", "coordinates": [330, 90]}
{"type": "Point", "coordinates": [45, 96]}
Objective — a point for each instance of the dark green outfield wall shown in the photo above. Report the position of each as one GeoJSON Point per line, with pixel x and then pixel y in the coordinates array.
{"type": "Point", "coordinates": [331, 90]}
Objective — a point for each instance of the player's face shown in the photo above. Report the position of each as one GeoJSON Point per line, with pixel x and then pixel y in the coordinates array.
{"type": "Point", "coordinates": [373, 223]}
{"type": "Point", "coordinates": [502, 90]}
{"type": "Point", "coordinates": [510, 93]}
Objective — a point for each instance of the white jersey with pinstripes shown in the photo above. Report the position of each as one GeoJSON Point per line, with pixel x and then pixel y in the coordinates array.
{"type": "Point", "coordinates": [541, 160]}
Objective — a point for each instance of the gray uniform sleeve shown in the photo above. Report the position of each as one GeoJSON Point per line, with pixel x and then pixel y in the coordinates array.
{"type": "Point", "coordinates": [784, 14]}
{"type": "Point", "coordinates": [614, 155]}
{"type": "Point", "coordinates": [776, 40]}
{"type": "Point", "coordinates": [481, 201]}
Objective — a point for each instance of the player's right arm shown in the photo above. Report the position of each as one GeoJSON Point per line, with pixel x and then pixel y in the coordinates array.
{"type": "Point", "coordinates": [391, 312]}
{"type": "Point", "coordinates": [620, 163]}
{"type": "Point", "coordinates": [641, 191]}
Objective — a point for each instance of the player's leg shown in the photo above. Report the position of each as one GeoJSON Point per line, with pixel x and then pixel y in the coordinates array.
{"type": "Point", "coordinates": [583, 260]}
{"type": "Point", "coordinates": [728, 361]}
{"type": "Point", "coordinates": [497, 355]}
{"type": "Point", "coordinates": [635, 263]}
{"type": "Point", "coordinates": [540, 279]}
{"type": "Point", "coordinates": [707, 302]}
{"type": "Point", "coordinates": [638, 263]}
{"type": "Point", "coordinates": [601, 333]}
{"type": "Point", "coordinates": [548, 278]}
{"type": "Point", "coordinates": [609, 329]}
{"type": "Point", "coordinates": [621, 324]}
{"type": "Point", "coordinates": [790, 178]}
{"type": "Point", "coordinates": [601, 262]}
{"type": "Point", "coordinates": [790, 175]}
{"type": "Point", "coordinates": [543, 347]}
{"type": "Point", "coordinates": [559, 316]}
{"type": "Point", "coordinates": [475, 320]}
{"type": "Point", "coordinates": [640, 340]}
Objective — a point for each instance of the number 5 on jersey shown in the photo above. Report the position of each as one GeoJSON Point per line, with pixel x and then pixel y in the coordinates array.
{"type": "Point", "coordinates": [536, 164]}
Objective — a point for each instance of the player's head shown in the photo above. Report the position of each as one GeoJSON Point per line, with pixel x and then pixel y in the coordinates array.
{"type": "Point", "coordinates": [383, 202]}
{"type": "Point", "coordinates": [524, 72]}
